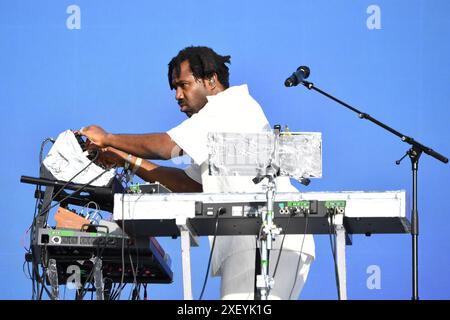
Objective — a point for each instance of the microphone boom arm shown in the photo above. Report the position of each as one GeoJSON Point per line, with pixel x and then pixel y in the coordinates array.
{"type": "Point", "coordinates": [363, 115]}
{"type": "Point", "coordinates": [414, 154]}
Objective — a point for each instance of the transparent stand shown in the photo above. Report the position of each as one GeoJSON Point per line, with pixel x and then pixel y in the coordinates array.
{"type": "Point", "coordinates": [266, 155]}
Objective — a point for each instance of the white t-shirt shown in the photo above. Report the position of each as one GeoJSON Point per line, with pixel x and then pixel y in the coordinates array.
{"type": "Point", "coordinates": [232, 110]}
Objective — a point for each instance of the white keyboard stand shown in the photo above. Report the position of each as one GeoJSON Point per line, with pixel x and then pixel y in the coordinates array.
{"type": "Point", "coordinates": [188, 240]}
{"type": "Point", "coordinates": [379, 209]}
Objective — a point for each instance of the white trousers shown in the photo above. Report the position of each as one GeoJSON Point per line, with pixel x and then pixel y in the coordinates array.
{"type": "Point", "coordinates": [238, 275]}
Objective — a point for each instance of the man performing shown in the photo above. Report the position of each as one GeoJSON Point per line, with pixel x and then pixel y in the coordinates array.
{"type": "Point", "coordinates": [200, 78]}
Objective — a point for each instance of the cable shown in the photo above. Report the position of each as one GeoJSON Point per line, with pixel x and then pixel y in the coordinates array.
{"type": "Point", "coordinates": [49, 207]}
{"type": "Point", "coordinates": [210, 254]}
{"type": "Point", "coordinates": [108, 284]}
{"type": "Point", "coordinates": [42, 148]}
{"type": "Point", "coordinates": [98, 256]}
{"type": "Point", "coordinates": [75, 192]}
{"type": "Point", "coordinates": [145, 292]}
{"type": "Point", "coordinates": [34, 273]}
{"type": "Point", "coordinates": [34, 284]}
{"type": "Point", "coordinates": [332, 233]}
{"type": "Point", "coordinates": [113, 289]}
{"type": "Point", "coordinates": [117, 292]}
{"type": "Point", "coordinates": [34, 217]}
{"type": "Point", "coordinates": [30, 277]}
{"type": "Point", "coordinates": [43, 286]}
{"type": "Point", "coordinates": [119, 289]}
{"type": "Point", "coordinates": [123, 245]}
{"type": "Point", "coordinates": [133, 271]}
{"type": "Point", "coordinates": [23, 270]}
{"type": "Point", "coordinates": [86, 206]}
{"type": "Point", "coordinates": [40, 280]}
{"type": "Point", "coordinates": [135, 284]}
{"type": "Point", "coordinates": [281, 246]}
{"type": "Point", "coordinates": [300, 254]}
{"type": "Point", "coordinates": [121, 286]}
{"type": "Point", "coordinates": [135, 293]}
{"type": "Point", "coordinates": [37, 280]}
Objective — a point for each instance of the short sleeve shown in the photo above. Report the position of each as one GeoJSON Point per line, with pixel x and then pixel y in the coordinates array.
{"type": "Point", "coordinates": [194, 172]}
{"type": "Point", "coordinates": [191, 136]}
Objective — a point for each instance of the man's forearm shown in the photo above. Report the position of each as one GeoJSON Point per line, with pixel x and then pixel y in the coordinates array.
{"type": "Point", "coordinates": [147, 146]}
{"type": "Point", "coordinates": [173, 178]}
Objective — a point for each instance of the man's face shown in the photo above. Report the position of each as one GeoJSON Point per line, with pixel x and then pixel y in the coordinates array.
{"type": "Point", "coordinates": [190, 92]}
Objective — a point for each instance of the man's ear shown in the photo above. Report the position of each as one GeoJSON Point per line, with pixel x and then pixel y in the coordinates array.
{"type": "Point", "coordinates": [212, 82]}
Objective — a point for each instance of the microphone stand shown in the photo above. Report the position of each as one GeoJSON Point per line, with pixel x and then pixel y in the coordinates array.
{"type": "Point", "coordinates": [414, 154]}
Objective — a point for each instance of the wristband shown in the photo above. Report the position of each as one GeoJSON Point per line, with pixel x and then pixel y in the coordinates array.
{"type": "Point", "coordinates": [137, 165]}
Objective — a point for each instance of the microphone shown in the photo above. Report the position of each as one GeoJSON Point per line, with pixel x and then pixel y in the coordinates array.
{"type": "Point", "coordinates": [297, 77]}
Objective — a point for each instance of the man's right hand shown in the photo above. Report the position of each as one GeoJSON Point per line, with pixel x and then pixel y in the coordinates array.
{"type": "Point", "coordinates": [96, 135]}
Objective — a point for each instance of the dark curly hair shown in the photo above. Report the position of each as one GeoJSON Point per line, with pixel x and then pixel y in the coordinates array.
{"type": "Point", "coordinates": [204, 62]}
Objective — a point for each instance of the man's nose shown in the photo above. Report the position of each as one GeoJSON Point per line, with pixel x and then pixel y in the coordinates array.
{"type": "Point", "coordinates": [179, 94]}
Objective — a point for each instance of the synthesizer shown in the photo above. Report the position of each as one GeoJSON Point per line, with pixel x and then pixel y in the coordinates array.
{"type": "Point", "coordinates": [241, 213]}
{"type": "Point", "coordinates": [83, 194]}
{"type": "Point", "coordinates": [71, 247]}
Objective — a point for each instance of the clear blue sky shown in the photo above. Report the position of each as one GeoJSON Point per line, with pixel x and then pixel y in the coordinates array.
{"type": "Point", "coordinates": [390, 61]}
